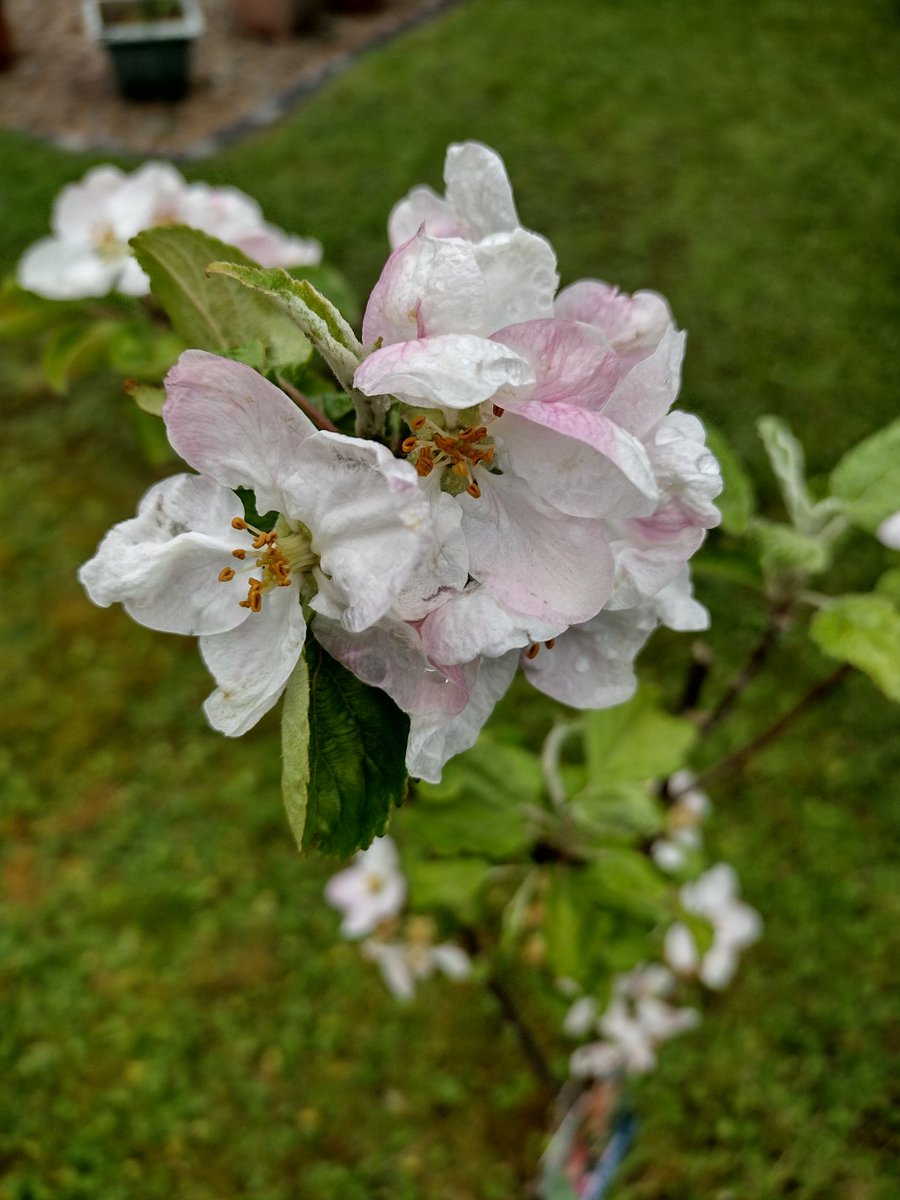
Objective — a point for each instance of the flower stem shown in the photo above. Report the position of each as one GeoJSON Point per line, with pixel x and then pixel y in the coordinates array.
{"type": "Point", "coordinates": [317, 417]}
{"type": "Point", "coordinates": [530, 1048]}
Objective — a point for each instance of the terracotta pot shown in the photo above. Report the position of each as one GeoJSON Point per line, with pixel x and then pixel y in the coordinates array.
{"type": "Point", "coordinates": [276, 19]}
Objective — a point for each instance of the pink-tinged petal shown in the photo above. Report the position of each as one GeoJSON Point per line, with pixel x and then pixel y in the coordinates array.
{"type": "Point", "coordinates": [537, 561]}
{"type": "Point", "coordinates": [572, 363]}
{"type": "Point", "coordinates": [648, 390]}
{"type": "Point", "coordinates": [520, 278]}
{"type": "Point", "coordinates": [271, 247]}
{"type": "Point", "coordinates": [474, 623]}
{"type": "Point", "coordinates": [634, 325]}
{"type": "Point", "coordinates": [253, 663]}
{"type": "Point", "coordinates": [433, 740]}
{"type": "Point", "coordinates": [452, 371]}
{"type": "Point", "coordinates": [478, 190]}
{"type": "Point", "coordinates": [579, 462]}
{"type": "Point", "coordinates": [422, 207]}
{"type": "Point", "coordinates": [428, 286]}
{"type": "Point", "coordinates": [79, 209]}
{"type": "Point", "coordinates": [644, 568]}
{"type": "Point", "coordinates": [163, 565]}
{"type": "Point", "coordinates": [390, 656]}
{"type": "Point", "coordinates": [592, 665]}
{"type": "Point", "coordinates": [229, 422]}
{"type": "Point", "coordinates": [67, 271]}
{"type": "Point", "coordinates": [369, 523]}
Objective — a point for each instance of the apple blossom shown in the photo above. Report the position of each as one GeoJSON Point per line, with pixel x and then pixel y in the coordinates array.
{"type": "Point", "coordinates": [888, 531]}
{"type": "Point", "coordinates": [351, 527]}
{"type": "Point", "coordinates": [403, 964]}
{"type": "Point", "coordinates": [735, 925]}
{"type": "Point", "coordinates": [92, 220]}
{"type": "Point", "coordinates": [371, 890]}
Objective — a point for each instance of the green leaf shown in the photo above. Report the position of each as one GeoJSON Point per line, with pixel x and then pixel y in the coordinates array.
{"type": "Point", "coordinates": [144, 351]}
{"type": "Point", "coordinates": [23, 313]}
{"type": "Point", "coordinates": [213, 313]}
{"type": "Point", "coordinates": [634, 742]}
{"type": "Point", "coordinates": [867, 478]}
{"type": "Point", "coordinates": [620, 810]}
{"type": "Point", "coordinates": [313, 313]}
{"type": "Point", "coordinates": [784, 549]}
{"type": "Point", "coordinates": [737, 503]}
{"type": "Point", "coordinates": [627, 880]}
{"type": "Point", "coordinates": [477, 806]}
{"type": "Point", "coordinates": [453, 884]}
{"type": "Point", "coordinates": [863, 631]}
{"type": "Point", "coordinates": [357, 747]}
{"type": "Point", "coordinates": [889, 585]}
{"type": "Point", "coordinates": [568, 926]}
{"type": "Point", "coordinates": [788, 463]}
{"type": "Point", "coordinates": [295, 749]}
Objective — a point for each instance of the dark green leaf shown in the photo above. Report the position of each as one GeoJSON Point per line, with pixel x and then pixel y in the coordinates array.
{"type": "Point", "coordinates": [453, 884]}
{"type": "Point", "coordinates": [357, 750]}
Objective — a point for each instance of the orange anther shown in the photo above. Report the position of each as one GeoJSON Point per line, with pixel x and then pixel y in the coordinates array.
{"type": "Point", "coordinates": [550, 643]}
{"type": "Point", "coordinates": [473, 489]}
{"type": "Point", "coordinates": [416, 423]}
{"type": "Point", "coordinates": [532, 651]}
{"type": "Point", "coordinates": [498, 411]}
{"type": "Point", "coordinates": [424, 466]}
{"type": "Point", "coordinates": [238, 523]}
{"type": "Point", "coordinates": [255, 601]}
{"type": "Point", "coordinates": [409, 444]}
{"type": "Point", "coordinates": [239, 553]}
{"type": "Point", "coordinates": [261, 539]}
{"type": "Point", "coordinates": [487, 455]}
{"type": "Point", "coordinates": [225, 574]}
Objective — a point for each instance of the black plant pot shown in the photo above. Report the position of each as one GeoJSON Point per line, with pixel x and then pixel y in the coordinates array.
{"type": "Point", "coordinates": [150, 57]}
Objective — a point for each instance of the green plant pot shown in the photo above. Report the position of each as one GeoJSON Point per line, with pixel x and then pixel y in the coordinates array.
{"type": "Point", "coordinates": [150, 55]}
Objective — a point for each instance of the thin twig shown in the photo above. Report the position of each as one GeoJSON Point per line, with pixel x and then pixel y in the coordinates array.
{"type": "Point", "coordinates": [738, 757]}
{"type": "Point", "coordinates": [530, 1048]}
{"type": "Point", "coordinates": [304, 405]}
{"type": "Point", "coordinates": [695, 678]}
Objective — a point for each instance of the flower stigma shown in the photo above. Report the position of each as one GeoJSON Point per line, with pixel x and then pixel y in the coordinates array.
{"type": "Point", "coordinates": [280, 552]}
{"type": "Point", "coordinates": [430, 447]}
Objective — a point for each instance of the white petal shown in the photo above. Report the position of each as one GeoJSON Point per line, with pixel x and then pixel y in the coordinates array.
{"type": "Point", "coordinates": [445, 567]}
{"type": "Point", "coordinates": [452, 960]}
{"type": "Point", "coordinates": [369, 524]}
{"type": "Point", "coordinates": [646, 393]}
{"type": "Point", "coordinates": [164, 564]}
{"type": "Point", "coordinates": [474, 623]}
{"type": "Point", "coordinates": [888, 531]}
{"type": "Point", "coordinates": [580, 1018]}
{"type": "Point", "coordinates": [681, 949]}
{"type": "Point", "coordinates": [478, 190]}
{"type": "Point", "coordinates": [520, 277]}
{"type": "Point", "coordinates": [150, 196]}
{"type": "Point", "coordinates": [253, 663]}
{"type": "Point", "coordinates": [432, 741]}
{"type": "Point", "coordinates": [676, 607]}
{"type": "Point", "coordinates": [599, 1060]}
{"type": "Point", "coordinates": [592, 664]}
{"type": "Point", "coordinates": [66, 271]}
{"type": "Point", "coordinates": [80, 208]}
{"type": "Point", "coordinates": [229, 422]}
{"type": "Point", "coordinates": [392, 960]}
{"type": "Point", "coordinates": [422, 207]}
{"type": "Point", "coordinates": [451, 371]}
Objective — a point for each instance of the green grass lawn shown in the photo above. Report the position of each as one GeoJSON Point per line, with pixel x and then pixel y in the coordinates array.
{"type": "Point", "coordinates": [179, 1018]}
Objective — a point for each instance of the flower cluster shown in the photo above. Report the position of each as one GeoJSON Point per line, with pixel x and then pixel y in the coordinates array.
{"type": "Point", "coordinates": [92, 220]}
{"type": "Point", "coordinates": [565, 495]}
{"type": "Point", "coordinates": [371, 894]}
{"type": "Point", "coordinates": [539, 507]}
{"type": "Point", "coordinates": [684, 818]}
{"type": "Point", "coordinates": [735, 926]}
{"type": "Point", "coordinates": [636, 1020]}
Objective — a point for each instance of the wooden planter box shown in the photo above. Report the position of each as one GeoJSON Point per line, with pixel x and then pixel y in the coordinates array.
{"type": "Point", "coordinates": [150, 53]}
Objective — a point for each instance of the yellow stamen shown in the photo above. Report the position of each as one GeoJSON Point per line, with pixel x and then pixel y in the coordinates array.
{"type": "Point", "coordinates": [225, 574]}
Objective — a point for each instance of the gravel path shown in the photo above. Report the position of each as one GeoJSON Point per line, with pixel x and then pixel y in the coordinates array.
{"type": "Point", "coordinates": [61, 88]}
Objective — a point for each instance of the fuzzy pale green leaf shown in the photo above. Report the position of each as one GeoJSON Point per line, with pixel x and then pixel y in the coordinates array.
{"type": "Point", "coordinates": [863, 630]}
{"type": "Point", "coordinates": [634, 742]}
{"type": "Point", "coordinates": [867, 478]}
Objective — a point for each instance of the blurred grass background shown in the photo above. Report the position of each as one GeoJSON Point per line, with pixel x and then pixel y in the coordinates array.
{"type": "Point", "coordinates": [178, 1017]}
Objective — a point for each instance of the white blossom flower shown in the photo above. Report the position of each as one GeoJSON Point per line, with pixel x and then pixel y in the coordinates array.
{"type": "Point", "coordinates": [888, 531]}
{"type": "Point", "coordinates": [92, 220]}
{"type": "Point", "coordinates": [371, 890]}
{"type": "Point", "coordinates": [351, 527]}
{"type": "Point", "coordinates": [406, 963]}
{"type": "Point", "coordinates": [735, 925]}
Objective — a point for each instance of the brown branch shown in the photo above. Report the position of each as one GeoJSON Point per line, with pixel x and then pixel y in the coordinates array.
{"type": "Point", "coordinates": [531, 1050]}
{"type": "Point", "coordinates": [738, 757]}
{"type": "Point", "coordinates": [776, 623]}
{"type": "Point", "coordinates": [304, 405]}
